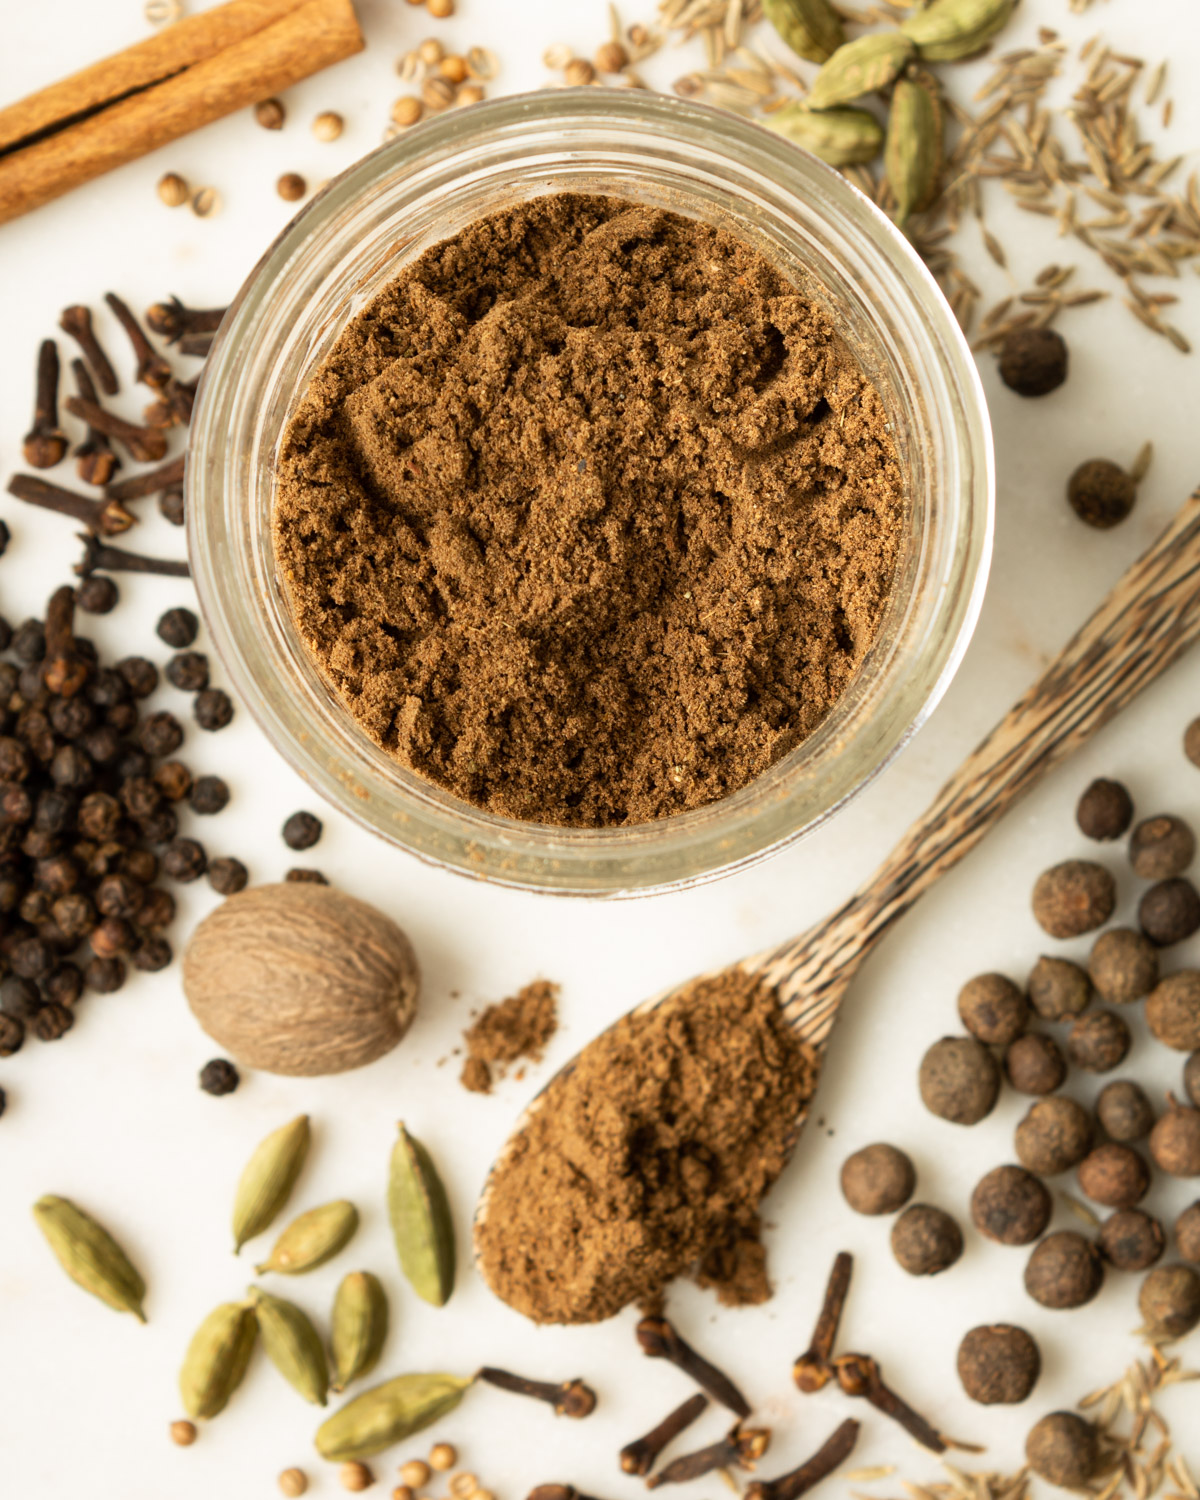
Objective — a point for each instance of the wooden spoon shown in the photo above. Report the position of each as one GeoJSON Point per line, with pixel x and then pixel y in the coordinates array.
{"type": "Point", "coordinates": [1141, 628]}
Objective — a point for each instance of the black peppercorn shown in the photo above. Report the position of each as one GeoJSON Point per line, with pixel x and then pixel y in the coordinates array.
{"type": "Point", "coordinates": [1063, 1449]}
{"type": "Point", "coordinates": [32, 959]}
{"type": "Point", "coordinates": [1114, 1175]}
{"type": "Point", "coordinates": [1099, 1041]}
{"type": "Point", "coordinates": [75, 915]}
{"type": "Point", "coordinates": [1124, 1111]}
{"type": "Point", "coordinates": [301, 831]}
{"type": "Point", "coordinates": [72, 718]}
{"type": "Point", "coordinates": [141, 676]}
{"type": "Point", "coordinates": [156, 910]}
{"type": "Point", "coordinates": [228, 876]}
{"type": "Point", "coordinates": [1035, 1064]}
{"type": "Point", "coordinates": [16, 804]}
{"type": "Point", "coordinates": [959, 1080]}
{"type": "Point", "coordinates": [998, 1365]}
{"type": "Point", "coordinates": [1175, 1140]}
{"type": "Point", "coordinates": [1033, 361]}
{"type": "Point", "coordinates": [103, 744]}
{"type": "Point", "coordinates": [178, 628]}
{"type": "Point", "coordinates": [1173, 1011]}
{"type": "Point", "coordinates": [1074, 897]}
{"type": "Point", "coordinates": [40, 844]}
{"type": "Point", "coordinates": [1101, 493]}
{"type": "Point", "coordinates": [14, 760]}
{"type": "Point", "coordinates": [160, 735]}
{"type": "Point", "coordinates": [97, 594]}
{"type": "Point", "coordinates": [111, 936]}
{"type": "Point", "coordinates": [184, 860]}
{"type": "Point", "coordinates": [173, 779]}
{"type": "Point", "coordinates": [57, 875]}
{"type": "Point", "coordinates": [131, 763]}
{"type": "Point", "coordinates": [160, 827]}
{"type": "Point", "coordinates": [1187, 1233]}
{"type": "Point", "coordinates": [1169, 1302]}
{"type": "Point", "coordinates": [29, 642]}
{"type": "Point", "coordinates": [213, 709]}
{"type": "Point", "coordinates": [926, 1240]}
{"type": "Point", "coordinates": [104, 975]}
{"type": "Point", "coordinates": [1065, 1270]}
{"type": "Point", "coordinates": [12, 1034]}
{"type": "Point", "coordinates": [1169, 912]}
{"type": "Point", "coordinates": [64, 984]}
{"type": "Point", "coordinates": [1161, 847]}
{"type": "Point", "coordinates": [878, 1179]}
{"type": "Point", "coordinates": [107, 687]}
{"type": "Point", "coordinates": [219, 1077]}
{"type": "Point", "coordinates": [122, 717]}
{"type": "Point", "coordinates": [209, 795]}
{"type": "Point", "coordinates": [298, 876]}
{"type": "Point", "coordinates": [99, 816]}
{"type": "Point", "coordinates": [1011, 1206]}
{"type": "Point", "coordinates": [1105, 810]}
{"type": "Point", "coordinates": [119, 896]}
{"type": "Point", "coordinates": [152, 954]}
{"type": "Point", "coordinates": [1123, 965]}
{"type": "Point", "coordinates": [140, 796]}
{"type": "Point", "coordinates": [29, 683]}
{"type": "Point", "coordinates": [993, 1009]}
{"type": "Point", "coordinates": [1054, 1136]}
{"type": "Point", "coordinates": [140, 865]}
{"type": "Point", "coordinates": [1131, 1240]}
{"type": "Point", "coordinates": [52, 1021]}
{"type": "Point", "coordinates": [19, 998]}
{"type": "Point", "coordinates": [188, 671]}
{"type": "Point", "coordinates": [71, 768]}
{"type": "Point", "coordinates": [53, 811]}
{"type": "Point", "coordinates": [36, 905]}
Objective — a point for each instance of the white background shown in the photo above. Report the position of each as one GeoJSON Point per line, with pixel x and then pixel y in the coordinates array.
{"type": "Point", "coordinates": [113, 1117]}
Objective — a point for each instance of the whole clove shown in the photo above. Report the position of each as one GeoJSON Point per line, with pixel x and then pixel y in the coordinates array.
{"type": "Point", "coordinates": [150, 482]}
{"type": "Point", "coordinates": [105, 517]}
{"type": "Point", "coordinates": [77, 321]}
{"type": "Point", "coordinates": [640, 1456]}
{"type": "Point", "coordinates": [813, 1371]}
{"type": "Point", "coordinates": [859, 1375]}
{"type": "Point", "coordinates": [740, 1448]}
{"type": "Point", "coordinates": [64, 671]}
{"type": "Point", "coordinates": [660, 1340]}
{"type": "Point", "coordinates": [96, 459]}
{"type": "Point", "coordinates": [152, 368]}
{"type": "Point", "coordinates": [569, 1398]}
{"type": "Point", "coordinates": [99, 557]}
{"type": "Point", "coordinates": [172, 321]}
{"type": "Point", "coordinates": [147, 445]}
{"type": "Point", "coordinates": [45, 443]}
{"type": "Point", "coordinates": [195, 345]}
{"type": "Point", "coordinates": [833, 1452]}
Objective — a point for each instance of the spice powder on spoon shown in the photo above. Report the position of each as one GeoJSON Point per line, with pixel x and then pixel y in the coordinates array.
{"type": "Point", "coordinates": [590, 516]}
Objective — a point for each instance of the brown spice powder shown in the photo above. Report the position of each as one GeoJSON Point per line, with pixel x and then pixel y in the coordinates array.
{"type": "Point", "coordinates": [512, 1029]}
{"type": "Point", "coordinates": [589, 517]}
{"type": "Point", "coordinates": [654, 1150]}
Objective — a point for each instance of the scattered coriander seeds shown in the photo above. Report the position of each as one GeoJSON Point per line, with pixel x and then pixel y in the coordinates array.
{"type": "Point", "coordinates": [1101, 493]}
{"type": "Point", "coordinates": [270, 114]}
{"type": "Point", "coordinates": [293, 1482]}
{"type": "Point", "coordinates": [173, 190]}
{"type": "Point", "coordinates": [404, 1492]}
{"type": "Point", "coordinates": [302, 830]}
{"type": "Point", "coordinates": [878, 1179]}
{"type": "Point", "coordinates": [355, 1476]}
{"type": "Point", "coordinates": [291, 187]}
{"type": "Point", "coordinates": [1161, 847]}
{"type": "Point", "coordinates": [1175, 1140]}
{"type": "Point", "coordinates": [998, 1364]}
{"type": "Point", "coordinates": [470, 93]}
{"type": "Point", "coordinates": [1123, 965]}
{"type": "Point", "coordinates": [463, 1485]}
{"type": "Point", "coordinates": [1099, 1041]}
{"type": "Point", "coordinates": [1074, 897]}
{"type": "Point", "coordinates": [1033, 361]}
{"type": "Point", "coordinates": [219, 1077]}
{"type": "Point", "coordinates": [1105, 810]}
{"type": "Point", "coordinates": [993, 1009]}
{"type": "Point", "coordinates": [206, 202]}
{"type": "Point", "coordinates": [611, 57]}
{"type": "Point", "coordinates": [1187, 1233]}
{"type": "Point", "coordinates": [415, 1473]}
{"type": "Point", "coordinates": [1173, 1011]}
{"type": "Point", "coordinates": [178, 628]}
{"type": "Point", "coordinates": [1063, 1449]}
{"type": "Point", "coordinates": [406, 110]}
{"type": "Point", "coordinates": [1114, 1175]}
{"type": "Point", "coordinates": [1124, 1111]}
{"type": "Point", "coordinates": [1064, 1271]}
{"type": "Point", "coordinates": [959, 1080]}
{"type": "Point", "coordinates": [1011, 1206]}
{"type": "Point", "coordinates": [228, 876]}
{"type": "Point", "coordinates": [1131, 1240]}
{"type": "Point", "coordinates": [328, 125]}
{"type": "Point", "coordinates": [183, 1433]}
{"type": "Point", "coordinates": [440, 10]}
{"type": "Point", "coordinates": [1034, 1064]}
{"type": "Point", "coordinates": [1054, 1136]}
{"type": "Point", "coordinates": [1059, 989]}
{"type": "Point", "coordinates": [454, 68]}
{"type": "Point", "coordinates": [926, 1240]}
{"type": "Point", "coordinates": [1169, 1302]}
{"type": "Point", "coordinates": [579, 72]}
{"type": "Point", "coordinates": [442, 1456]}
{"type": "Point", "coordinates": [437, 93]}
{"type": "Point", "coordinates": [1169, 912]}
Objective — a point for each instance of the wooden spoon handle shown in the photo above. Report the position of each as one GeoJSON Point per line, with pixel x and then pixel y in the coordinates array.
{"type": "Point", "coordinates": [1141, 628]}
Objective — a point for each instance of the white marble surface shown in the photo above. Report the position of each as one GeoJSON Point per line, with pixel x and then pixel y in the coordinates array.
{"type": "Point", "coordinates": [113, 1117]}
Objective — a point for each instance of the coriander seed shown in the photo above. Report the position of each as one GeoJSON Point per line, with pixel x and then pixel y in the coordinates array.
{"type": "Point", "coordinates": [1011, 1206]}
{"type": "Point", "coordinates": [437, 93]}
{"type": "Point", "coordinates": [1063, 1449]}
{"type": "Point", "coordinates": [172, 190]}
{"type": "Point", "coordinates": [611, 57]}
{"type": "Point", "coordinates": [440, 10]}
{"type": "Point", "coordinates": [998, 1364]}
{"type": "Point", "coordinates": [470, 93]}
{"type": "Point", "coordinates": [1105, 810]}
{"type": "Point", "coordinates": [1054, 1136]}
{"type": "Point", "coordinates": [1187, 1233]}
{"type": "Point", "coordinates": [1123, 965]}
{"type": "Point", "coordinates": [878, 1179]}
{"type": "Point", "coordinates": [1175, 1140]}
{"type": "Point", "coordinates": [1114, 1175]}
{"type": "Point", "coordinates": [327, 126]}
{"type": "Point", "coordinates": [206, 202]}
{"type": "Point", "coordinates": [1033, 361]}
{"type": "Point", "coordinates": [926, 1240]}
{"type": "Point", "coordinates": [1064, 1271]}
{"type": "Point", "coordinates": [1169, 912]}
{"type": "Point", "coordinates": [219, 1077]}
{"type": "Point", "coordinates": [579, 72]}
{"type": "Point", "coordinates": [183, 1433]}
{"type": "Point", "coordinates": [442, 1456]}
{"type": "Point", "coordinates": [1099, 1041]}
{"type": "Point", "coordinates": [1124, 1111]}
{"type": "Point", "coordinates": [1131, 1240]}
{"type": "Point", "coordinates": [293, 1482]}
{"type": "Point", "coordinates": [355, 1476]}
{"type": "Point", "coordinates": [1074, 897]}
{"type": "Point", "coordinates": [1034, 1064]}
{"type": "Point", "coordinates": [959, 1080]}
{"type": "Point", "coordinates": [1173, 1011]}
{"type": "Point", "coordinates": [406, 110]}
{"type": "Point", "coordinates": [1162, 847]}
{"type": "Point", "coordinates": [415, 1473]}
{"type": "Point", "coordinates": [404, 1492]}
{"type": "Point", "coordinates": [1101, 493]}
{"type": "Point", "coordinates": [431, 52]}
{"type": "Point", "coordinates": [1059, 989]}
{"type": "Point", "coordinates": [270, 114]}
{"type": "Point", "coordinates": [291, 187]}
{"type": "Point", "coordinates": [993, 1009]}
{"type": "Point", "coordinates": [1169, 1302]}
{"type": "Point", "coordinates": [454, 68]}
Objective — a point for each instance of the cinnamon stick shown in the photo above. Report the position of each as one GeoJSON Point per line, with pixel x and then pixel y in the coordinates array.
{"type": "Point", "coordinates": [188, 75]}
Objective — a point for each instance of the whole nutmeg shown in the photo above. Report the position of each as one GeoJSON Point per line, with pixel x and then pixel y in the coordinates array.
{"type": "Point", "coordinates": [926, 1240]}
{"type": "Point", "coordinates": [1169, 1302]}
{"type": "Point", "coordinates": [959, 1080]}
{"type": "Point", "coordinates": [1114, 1175]}
{"type": "Point", "coordinates": [1054, 1136]}
{"type": "Point", "coordinates": [1073, 898]}
{"type": "Point", "coordinates": [1011, 1206]}
{"type": "Point", "coordinates": [1099, 1041]}
{"type": "Point", "coordinates": [301, 979]}
{"type": "Point", "coordinates": [1124, 1112]}
{"type": "Point", "coordinates": [993, 1009]}
{"type": "Point", "coordinates": [998, 1364]}
{"type": "Point", "coordinates": [1034, 1064]}
{"type": "Point", "coordinates": [1173, 1011]}
{"type": "Point", "coordinates": [1187, 1233]}
{"type": "Point", "coordinates": [1123, 965]}
{"type": "Point", "coordinates": [1131, 1240]}
{"type": "Point", "coordinates": [1059, 989]}
{"type": "Point", "coordinates": [1161, 847]}
{"type": "Point", "coordinates": [1105, 810]}
{"type": "Point", "coordinates": [1063, 1449]}
{"type": "Point", "coordinates": [1175, 1140]}
{"type": "Point", "coordinates": [1064, 1271]}
{"type": "Point", "coordinates": [878, 1179]}
{"type": "Point", "coordinates": [1169, 912]}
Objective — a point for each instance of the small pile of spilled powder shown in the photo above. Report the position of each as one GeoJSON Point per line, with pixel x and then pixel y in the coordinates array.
{"type": "Point", "coordinates": [649, 1157]}
{"type": "Point", "coordinates": [515, 1028]}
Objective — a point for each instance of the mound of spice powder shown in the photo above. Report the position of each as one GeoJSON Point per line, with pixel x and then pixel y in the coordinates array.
{"type": "Point", "coordinates": [590, 516]}
{"type": "Point", "coordinates": [513, 1029]}
{"type": "Point", "coordinates": [651, 1152]}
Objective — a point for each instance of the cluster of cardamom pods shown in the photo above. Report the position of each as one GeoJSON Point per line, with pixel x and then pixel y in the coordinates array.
{"type": "Point", "coordinates": [828, 124]}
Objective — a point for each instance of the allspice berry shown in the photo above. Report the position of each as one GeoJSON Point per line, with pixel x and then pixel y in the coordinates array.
{"type": "Point", "coordinates": [926, 1240]}
{"type": "Point", "coordinates": [1114, 1175]}
{"type": "Point", "coordinates": [1074, 897]}
{"type": "Point", "coordinates": [293, 1482]}
{"type": "Point", "coordinates": [355, 1476]}
{"type": "Point", "coordinates": [1175, 1140]}
{"type": "Point", "coordinates": [1131, 1240]}
{"type": "Point", "coordinates": [291, 187]}
{"type": "Point", "coordinates": [1169, 1302]}
{"type": "Point", "coordinates": [1169, 912]}
{"type": "Point", "coordinates": [1124, 1112]}
{"type": "Point", "coordinates": [1033, 361]}
{"type": "Point", "coordinates": [1187, 1233]}
{"type": "Point", "coordinates": [998, 1364]}
{"type": "Point", "coordinates": [1123, 965]}
{"type": "Point", "coordinates": [1054, 1136]}
{"type": "Point", "coordinates": [878, 1179]}
{"type": "Point", "coordinates": [1059, 989]}
{"type": "Point", "coordinates": [1011, 1206]}
{"type": "Point", "coordinates": [1099, 1041]}
{"type": "Point", "coordinates": [1063, 1449]}
{"type": "Point", "coordinates": [1161, 847]}
{"type": "Point", "coordinates": [1173, 1011]}
{"type": "Point", "coordinates": [1064, 1271]}
{"type": "Point", "coordinates": [1105, 810]}
{"type": "Point", "coordinates": [959, 1080]}
{"type": "Point", "coordinates": [993, 1009]}
{"type": "Point", "coordinates": [1101, 493]}
{"type": "Point", "coordinates": [1034, 1064]}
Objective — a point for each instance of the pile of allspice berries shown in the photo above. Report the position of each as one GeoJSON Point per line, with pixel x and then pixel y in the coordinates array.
{"type": "Point", "coordinates": [1069, 1018]}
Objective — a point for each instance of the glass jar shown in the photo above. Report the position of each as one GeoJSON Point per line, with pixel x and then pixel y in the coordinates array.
{"type": "Point", "coordinates": [354, 238]}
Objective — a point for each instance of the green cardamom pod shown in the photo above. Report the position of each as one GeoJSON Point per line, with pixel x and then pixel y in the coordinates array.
{"type": "Point", "coordinates": [90, 1256]}
{"type": "Point", "coordinates": [216, 1359]}
{"type": "Point", "coordinates": [912, 157]}
{"type": "Point", "coordinates": [292, 1344]}
{"type": "Point", "coordinates": [860, 67]}
{"type": "Point", "coordinates": [952, 29]}
{"type": "Point", "coordinates": [421, 1222]}
{"type": "Point", "coordinates": [810, 27]}
{"type": "Point", "coordinates": [840, 137]}
{"type": "Point", "coordinates": [268, 1178]}
{"type": "Point", "coordinates": [388, 1414]}
{"type": "Point", "coordinates": [358, 1327]}
{"type": "Point", "coordinates": [312, 1239]}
